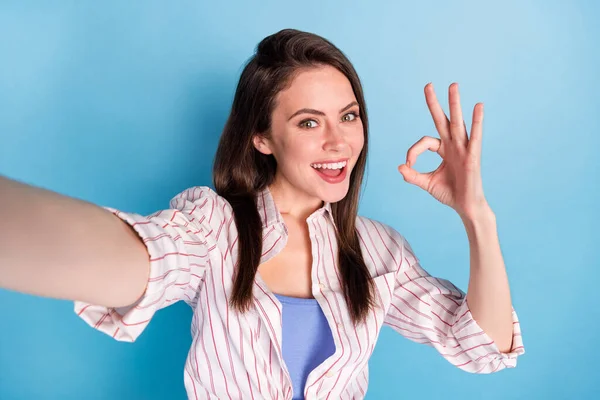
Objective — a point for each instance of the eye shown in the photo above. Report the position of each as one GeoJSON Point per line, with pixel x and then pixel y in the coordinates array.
{"type": "Point", "coordinates": [353, 115]}
{"type": "Point", "coordinates": [306, 123]}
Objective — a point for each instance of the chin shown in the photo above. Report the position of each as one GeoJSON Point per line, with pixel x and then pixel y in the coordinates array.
{"type": "Point", "coordinates": [333, 195]}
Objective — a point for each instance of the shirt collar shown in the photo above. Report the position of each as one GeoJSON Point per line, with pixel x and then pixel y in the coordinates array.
{"type": "Point", "coordinates": [269, 214]}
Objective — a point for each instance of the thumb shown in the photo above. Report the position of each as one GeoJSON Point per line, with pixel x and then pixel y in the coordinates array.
{"type": "Point", "coordinates": [413, 176]}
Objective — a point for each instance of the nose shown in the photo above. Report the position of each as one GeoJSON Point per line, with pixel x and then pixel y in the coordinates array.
{"type": "Point", "coordinates": [334, 139]}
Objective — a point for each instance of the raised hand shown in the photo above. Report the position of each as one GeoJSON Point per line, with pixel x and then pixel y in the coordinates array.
{"type": "Point", "coordinates": [457, 180]}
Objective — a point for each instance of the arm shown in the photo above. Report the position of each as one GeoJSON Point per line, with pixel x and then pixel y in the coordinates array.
{"type": "Point", "coordinates": [488, 294]}
{"type": "Point", "coordinates": [432, 311]}
{"type": "Point", "coordinates": [57, 246]}
{"type": "Point", "coordinates": [179, 241]}
{"type": "Point", "coordinates": [479, 332]}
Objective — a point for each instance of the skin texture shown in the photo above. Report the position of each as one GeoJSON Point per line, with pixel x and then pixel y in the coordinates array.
{"type": "Point", "coordinates": [307, 138]}
{"type": "Point", "coordinates": [93, 256]}
{"type": "Point", "coordinates": [298, 138]}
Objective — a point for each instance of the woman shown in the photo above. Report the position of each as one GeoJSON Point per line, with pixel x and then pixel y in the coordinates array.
{"type": "Point", "coordinates": [289, 287]}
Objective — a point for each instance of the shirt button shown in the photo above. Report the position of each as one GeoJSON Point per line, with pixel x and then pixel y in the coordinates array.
{"type": "Point", "coordinates": [340, 325]}
{"type": "Point", "coordinates": [322, 285]}
{"type": "Point", "coordinates": [329, 374]}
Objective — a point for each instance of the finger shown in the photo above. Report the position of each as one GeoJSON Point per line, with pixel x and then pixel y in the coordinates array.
{"type": "Point", "coordinates": [425, 143]}
{"type": "Point", "coordinates": [414, 177]}
{"type": "Point", "coordinates": [476, 130]}
{"type": "Point", "coordinates": [442, 124]}
{"type": "Point", "coordinates": [457, 125]}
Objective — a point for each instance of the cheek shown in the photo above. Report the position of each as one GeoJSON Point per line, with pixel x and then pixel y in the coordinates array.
{"type": "Point", "coordinates": [294, 155]}
{"type": "Point", "coordinates": [302, 149]}
{"type": "Point", "coordinates": [357, 141]}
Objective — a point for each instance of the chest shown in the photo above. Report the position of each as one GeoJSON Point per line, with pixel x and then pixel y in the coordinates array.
{"type": "Point", "coordinates": [289, 272]}
{"type": "Point", "coordinates": [298, 261]}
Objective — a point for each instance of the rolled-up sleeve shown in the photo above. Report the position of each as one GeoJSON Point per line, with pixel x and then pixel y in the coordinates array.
{"type": "Point", "coordinates": [177, 244]}
{"type": "Point", "coordinates": [433, 311]}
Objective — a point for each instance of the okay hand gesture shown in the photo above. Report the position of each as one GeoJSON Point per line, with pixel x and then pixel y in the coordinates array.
{"type": "Point", "coordinates": [457, 180]}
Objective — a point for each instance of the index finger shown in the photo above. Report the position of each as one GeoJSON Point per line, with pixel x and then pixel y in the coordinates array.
{"type": "Point", "coordinates": [442, 124]}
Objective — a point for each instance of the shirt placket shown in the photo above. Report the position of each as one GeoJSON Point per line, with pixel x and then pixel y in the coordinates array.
{"type": "Point", "coordinates": [320, 287]}
{"type": "Point", "coordinates": [269, 308]}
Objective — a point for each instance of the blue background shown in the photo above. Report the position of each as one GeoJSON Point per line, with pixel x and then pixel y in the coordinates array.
{"type": "Point", "coordinates": [122, 103]}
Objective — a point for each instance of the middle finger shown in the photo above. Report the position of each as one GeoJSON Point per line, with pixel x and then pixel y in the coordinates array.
{"type": "Point", "coordinates": [439, 117]}
{"type": "Point", "coordinates": [458, 130]}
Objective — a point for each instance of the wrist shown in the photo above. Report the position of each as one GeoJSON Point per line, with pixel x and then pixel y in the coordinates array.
{"type": "Point", "coordinates": [479, 219]}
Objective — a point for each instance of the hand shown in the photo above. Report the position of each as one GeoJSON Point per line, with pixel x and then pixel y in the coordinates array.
{"type": "Point", "coordinates": [457, 181]}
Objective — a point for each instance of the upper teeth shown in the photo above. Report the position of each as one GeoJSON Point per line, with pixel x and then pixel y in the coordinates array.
{"type": "Point", "coordinates": [337, 165]}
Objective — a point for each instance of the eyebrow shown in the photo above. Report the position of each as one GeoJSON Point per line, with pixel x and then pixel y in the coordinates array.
{"type": "Point", "coordinates": [317, 112]}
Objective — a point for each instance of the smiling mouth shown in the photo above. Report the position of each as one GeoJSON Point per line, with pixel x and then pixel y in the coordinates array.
{"type": "Point", "coordinates": [332, 172]}
{"type": "Point", "coordinates": [330, 165]}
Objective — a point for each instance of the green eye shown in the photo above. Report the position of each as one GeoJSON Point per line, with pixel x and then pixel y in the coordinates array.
{"type": "Point", "coordinates": [306, 123]}
{"type": "Point", "coordinates": [353, 114]}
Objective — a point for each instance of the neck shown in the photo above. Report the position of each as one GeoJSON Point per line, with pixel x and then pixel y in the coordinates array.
{"type": "Point", "coordinates": [292, 202]}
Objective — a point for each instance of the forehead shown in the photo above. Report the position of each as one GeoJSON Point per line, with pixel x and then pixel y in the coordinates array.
{"type": "Point", "coordinates": [322, 88]}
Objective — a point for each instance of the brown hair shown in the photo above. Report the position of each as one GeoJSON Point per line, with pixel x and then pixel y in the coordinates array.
{"type": "Point", "coordinates": [240, 171]}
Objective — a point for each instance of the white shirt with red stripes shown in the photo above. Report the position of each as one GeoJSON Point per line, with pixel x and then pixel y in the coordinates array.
{"type": "Point", "coordinates": [193, 250]}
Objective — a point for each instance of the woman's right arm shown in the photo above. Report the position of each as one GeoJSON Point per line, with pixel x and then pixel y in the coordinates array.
{"type": "Point", "coordinates": [57, 246]}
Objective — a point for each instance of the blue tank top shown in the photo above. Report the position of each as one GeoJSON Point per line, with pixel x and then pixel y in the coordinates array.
{"type": "Point", "coordinates": [306, 339]}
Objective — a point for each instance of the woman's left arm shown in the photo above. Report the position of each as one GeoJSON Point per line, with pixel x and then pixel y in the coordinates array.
{"type": "Point", "coordinates": [457, 183]}
{"type": "Point", "coordinates": [488, 294]}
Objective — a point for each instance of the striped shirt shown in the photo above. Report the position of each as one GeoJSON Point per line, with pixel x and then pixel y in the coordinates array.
{"type": "Point", "coordinates": [193, 250]}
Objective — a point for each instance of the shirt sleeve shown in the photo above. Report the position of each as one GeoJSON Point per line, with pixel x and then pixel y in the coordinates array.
{"type": "Point", "coordinates": [433, 311]}
{"type": "Point", "coordinates": [176, 240]}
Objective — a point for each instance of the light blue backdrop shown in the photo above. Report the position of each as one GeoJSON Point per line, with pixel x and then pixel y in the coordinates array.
{"type": "Point", "coordinates": [122, 104]}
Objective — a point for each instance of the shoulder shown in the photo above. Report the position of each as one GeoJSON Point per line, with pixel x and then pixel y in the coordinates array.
{"type": "Point", "coordinates": [385, 241]}
{"type": "Point", "coordinates": [198, 195]}
{"type": "Point", "coordinates": [379, 231]}
{"type": "Point", "coordinates": [202, 202]}
{"type": "Point", "coordinates": [194, 194]}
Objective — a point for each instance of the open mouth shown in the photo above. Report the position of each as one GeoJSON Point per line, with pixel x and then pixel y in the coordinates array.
{"type": "Point", "coordinates": [331, 172]}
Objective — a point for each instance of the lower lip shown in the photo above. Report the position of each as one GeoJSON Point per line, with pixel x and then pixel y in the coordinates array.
{"type": "Point", "coordinates": [333, 179]}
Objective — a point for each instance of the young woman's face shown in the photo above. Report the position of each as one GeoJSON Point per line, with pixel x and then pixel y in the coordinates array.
{"type": "Point", "coordinates": [315, 130]}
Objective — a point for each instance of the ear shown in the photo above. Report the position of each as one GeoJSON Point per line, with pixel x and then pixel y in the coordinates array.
{"type": "Point", "coordinates": [262, 144]}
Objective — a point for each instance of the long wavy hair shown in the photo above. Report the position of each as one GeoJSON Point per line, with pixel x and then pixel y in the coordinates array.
{"type": "Point", "coordinates": [240, 171]}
